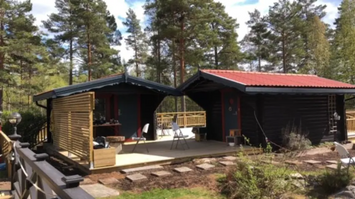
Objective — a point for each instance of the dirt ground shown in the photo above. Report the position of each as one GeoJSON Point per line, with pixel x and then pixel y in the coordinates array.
{"type": "Point", "coordinates": [205, 178]}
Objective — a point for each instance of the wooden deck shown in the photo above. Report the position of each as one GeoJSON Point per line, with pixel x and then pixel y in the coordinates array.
{"type": "Point", "coordinates": [158, 152]}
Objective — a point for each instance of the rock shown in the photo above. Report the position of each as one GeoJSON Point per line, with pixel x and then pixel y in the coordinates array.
{"type": "Point", "coordinates": [205, 166]}
{"type": "Point", "coordinates": [351, 188]}
{"type": "Point", "coordinates": [136, 177]}
{"type": "Point", "coordinates": [182, 169]}
{"type": "Point", "coordinates": [293, 162]}
{"type": "Point", "coordinates": [344, 194]}
{"type": "Point", "coordinates": [334, 166]}
{"type": "Point", "coordinates": [296, 176]}
{"type": "Point", "coordinates": [332, 162]}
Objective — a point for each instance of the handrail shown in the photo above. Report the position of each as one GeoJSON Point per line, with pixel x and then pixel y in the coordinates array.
{"type": "Point", "coordinates": [32, 170]}
{"type": "Point", "coordinates": [185, 119]}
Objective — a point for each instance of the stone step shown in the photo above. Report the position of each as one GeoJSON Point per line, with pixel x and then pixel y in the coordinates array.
{"type": "Point", "coordinates": [145, 168]}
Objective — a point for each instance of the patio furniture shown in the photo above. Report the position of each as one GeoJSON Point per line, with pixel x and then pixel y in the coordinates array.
{"type": "Point", "coordinates": [116, 142]}
{"type": "Point", "coordinates": [144, 130]}
{"type": "Point", "coordinates": [236, 136]}
{"type": "Point", "coordinates": [345, 157]}
{"type": "Point", "coordinates": [178, 135]}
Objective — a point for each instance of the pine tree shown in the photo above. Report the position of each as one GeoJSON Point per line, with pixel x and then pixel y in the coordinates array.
{"type": "Point", "coordinates": [65, 25]}
{"type": "Point", "coordinates": [287, 44]}
{"type": "Point", "coordinates": [95, 36]}
{"type": "Point", "coordinates": [318, 49]}
{"type": "Point", "coordinates": [136, 41]}
{"type": "Point", "coordinates": [343, 49]}
{"type": "Point", "coordinates": [256, 42]}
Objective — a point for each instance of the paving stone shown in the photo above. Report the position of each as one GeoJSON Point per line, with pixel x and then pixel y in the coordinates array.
{"type": "Point", "coordinates": [319, 166]}
{"type": "Point", "coordinates": [332, 162]}
{"type": "Point", "coordinates": [230, 158]}
{"type": "Point", "coordinates": [145, 168]}
{"type": "Point", "coordinates": [99, 190]}
{"type": "Point", "coordinates": [107, 181]}
{"type": "Point", "coordinates": [161, 173]}
{"type": "Point", "coordinates": [334, 166]}
{"type": "Point", "coordinates": [136, 177]}
{"type": "Point", "coordinates": [293, 162]}
{"type": "Point", "coordinates": [227, 163]}
{"type": "Point", "coordinates": [205, 166]}
{"type": "Point", "coordinates": [204, 160]}
{"type": "Point", "coordinates": [270, 162]}
{"type": "Point", "coordinates": [312, 162]}
{"type": "Point", "coordinates": [87, 181]}
{"type": "Point", "coordinates": [182, 169]}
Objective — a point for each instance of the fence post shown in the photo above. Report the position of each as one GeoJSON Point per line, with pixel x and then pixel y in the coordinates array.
{"type": "Point", "coordinates": [185, 119]}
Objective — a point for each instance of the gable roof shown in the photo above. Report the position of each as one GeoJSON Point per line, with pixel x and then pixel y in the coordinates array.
{"type": "Point", "coordinates": [107, 81]}
{"type": "Point", "coordinates": [257, 82]}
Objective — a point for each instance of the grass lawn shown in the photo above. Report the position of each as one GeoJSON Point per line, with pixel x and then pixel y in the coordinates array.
{"type": "Point", "coordinates": [196, 193]}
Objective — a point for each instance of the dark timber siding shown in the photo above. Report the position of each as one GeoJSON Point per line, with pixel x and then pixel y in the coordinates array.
{"type": "Point", "coordinates": [308, 111]}
{"type": "Point", "coordinates": [249, 126]}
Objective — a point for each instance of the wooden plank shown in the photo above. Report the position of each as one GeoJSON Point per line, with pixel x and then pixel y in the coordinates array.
{"type": "Point", "coordinates": [104, 157]}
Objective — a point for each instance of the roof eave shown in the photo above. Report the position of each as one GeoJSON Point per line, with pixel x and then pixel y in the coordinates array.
{"type": "Point", "coordinates": [224, 81]}
{"type": "Point", "coordinates": [168, 90]}
{"type": "Point", "coordinates": [290, 90]}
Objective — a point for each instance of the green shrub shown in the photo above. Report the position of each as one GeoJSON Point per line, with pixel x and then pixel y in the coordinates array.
{"type": "Point", "coordinates": [251, 179]}
{"type": "Point", "coordinates": [333, 181]}
{"type": "Point", "coordinates": [32, 122]}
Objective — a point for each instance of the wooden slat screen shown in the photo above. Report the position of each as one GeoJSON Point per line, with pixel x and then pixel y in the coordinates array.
{"type": "Point", "coordinates": [73, 124]}
{"type": "Point", "coordinates": [6, 148]}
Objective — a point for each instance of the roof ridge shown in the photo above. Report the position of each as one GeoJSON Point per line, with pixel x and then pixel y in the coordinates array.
{"type": "Point", "coordinates": [254, 72]}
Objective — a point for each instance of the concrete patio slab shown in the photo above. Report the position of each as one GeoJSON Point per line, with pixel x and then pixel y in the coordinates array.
{"type": "Point", "coordinates": [99, 190]}
{"type": "Point", "coordinates": [136, 177]}
{"type": "Point", "coordinates": [161, 174]}
{"type": "Point", "coordinates": [146, 168]}
{"type": "Point", "coordinates": [205, 166]}
{"type": "Point", "coordinates": [182, 169]}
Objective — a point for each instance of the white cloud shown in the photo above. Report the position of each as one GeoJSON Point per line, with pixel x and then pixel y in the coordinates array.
{"type": "Point", "coordinates": [236, 8]}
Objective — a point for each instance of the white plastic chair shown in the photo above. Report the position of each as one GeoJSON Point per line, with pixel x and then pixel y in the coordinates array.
{"type": "Point", "coordinates": [144, 131]}
{"type": "Point", "coordinates": [345, 157]}
{"type": "Point", "coordinates": [178, 135]}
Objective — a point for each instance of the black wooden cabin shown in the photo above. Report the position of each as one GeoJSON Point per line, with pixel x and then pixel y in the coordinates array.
{"type": "Point", "coordinates": [130, 100]}
{"type": "Point", "coordinates": [262, 104]}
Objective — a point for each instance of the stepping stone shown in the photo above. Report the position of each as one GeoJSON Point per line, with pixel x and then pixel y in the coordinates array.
{"type": "Point", "coordinates": [107, 181]}
{"type": "Point", "coordinates": [204, 160]}
{"type": "Point", "coordinates": [145, 168]}
{"type": "Point", "coordinates": [312, 162]}
{"type": "Point", "coordinates": [205, 166]}
{"type": "Point", "coordinates": [99, 190]}
{"type": "Point", "coordinates": [136, 177]}
{"type": "Point", "coordinates": [334, 166]}
{"type": "Point", "coordinates": [293, 162]}
{"type": "Point", "coordinates": [182, 169]}
{"type": "Point", "coordinates": [87, 181]}
{"type": "Point", "coordinates": [227, 163]}
{"type": "Point", "coordinates": [161, 173]}
{"type": "Point", "coordinates": [230, 158]}
{"type": "Point", "coordinates": [332, 162]}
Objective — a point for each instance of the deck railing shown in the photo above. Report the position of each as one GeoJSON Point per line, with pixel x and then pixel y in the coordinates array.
{"type": "Point", "coordinates": [184, 119]}
{"type": "Point", "coordinates": [33, 177]}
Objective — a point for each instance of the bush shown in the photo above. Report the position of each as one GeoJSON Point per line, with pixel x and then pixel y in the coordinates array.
{"type": "Point", "coordinates": [333, 181]}
{"type": "Point", "coordinates": [251, 179]}
{"type": "Point", "coordinates": [294, 138]}
{"type": "Point", "coordinates": [32, 122]}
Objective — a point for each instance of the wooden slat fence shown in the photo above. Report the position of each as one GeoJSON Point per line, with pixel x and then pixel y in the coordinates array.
{"type": "Point", "coordinates": [6, 148]}
{"type": "Point", "coordinates": [73, 124]}
{"type": "Point", "coordinates": [184, 119]}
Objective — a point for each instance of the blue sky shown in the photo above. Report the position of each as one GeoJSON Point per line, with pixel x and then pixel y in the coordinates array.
{"type": "Point", "coordinates": [236, 8]}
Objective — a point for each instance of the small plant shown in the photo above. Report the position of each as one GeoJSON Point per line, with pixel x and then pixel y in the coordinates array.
{"type": "Point", "coordinates": [294, 138]}
{"type": "Point", "coordinates": [332, 181]}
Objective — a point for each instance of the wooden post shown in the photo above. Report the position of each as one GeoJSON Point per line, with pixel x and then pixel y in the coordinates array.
{"type": "Point", "coordinates": [185, 119]}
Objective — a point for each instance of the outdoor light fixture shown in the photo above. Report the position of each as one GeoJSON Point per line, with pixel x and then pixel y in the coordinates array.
{"type": "Point", "coordinates": [15, 119]}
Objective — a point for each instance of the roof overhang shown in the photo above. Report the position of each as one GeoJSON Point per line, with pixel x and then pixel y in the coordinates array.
{"type": "Point", "coordinates": [261, 89]}
{"type": "Point", "coordinates": [109, 81]}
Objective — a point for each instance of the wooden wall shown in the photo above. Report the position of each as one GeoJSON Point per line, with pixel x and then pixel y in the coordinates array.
{"type": "Point", "coordinates": [73, 124]}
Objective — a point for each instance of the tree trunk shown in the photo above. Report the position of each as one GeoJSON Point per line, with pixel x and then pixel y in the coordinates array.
{"type": "Point", "coordinates": [158, 68]}
{"type": "Point", "coordinates": [283, 52]}
{"type": "Point", "coordinates": [216, 57]}
{"type": "Point", "coordinates": [175, 74]}
{"type": "Point", "coordinates": [259, 59]}
{"type": "Point", "coordinates": [182, 61]}
{"type": "Point", "coordinates": [89, 55]}
{"type": "Point", "coordinates": [71, 62]}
